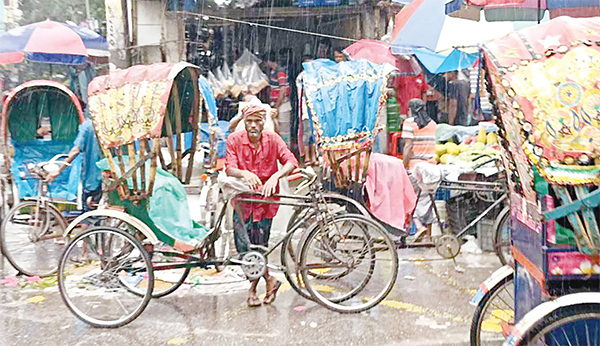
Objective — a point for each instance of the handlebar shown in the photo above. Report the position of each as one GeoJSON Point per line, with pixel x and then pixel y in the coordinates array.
{"type": "Point", "coordinates": [42, 169]}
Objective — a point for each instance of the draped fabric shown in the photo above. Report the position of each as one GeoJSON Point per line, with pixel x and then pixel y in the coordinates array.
{"type": "Point", "coordinates": [344, 98]}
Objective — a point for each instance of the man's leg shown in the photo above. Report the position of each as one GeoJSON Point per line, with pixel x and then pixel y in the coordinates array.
{"type": "Point", "coordinates": [242, 231]}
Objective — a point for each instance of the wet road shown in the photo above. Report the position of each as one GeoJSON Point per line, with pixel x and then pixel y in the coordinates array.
{"type": "Point", "coordinates": [428, 306]}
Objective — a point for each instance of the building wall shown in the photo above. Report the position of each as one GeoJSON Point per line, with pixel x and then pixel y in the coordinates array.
{"type": "Point", "coordinates": [160, 36]}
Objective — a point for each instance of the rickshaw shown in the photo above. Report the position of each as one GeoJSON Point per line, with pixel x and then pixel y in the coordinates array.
{"type": "Point", "coordinates": [146, 243]}
{"type": "Point", "coordinates": [40, 119]}
{"type": "Point", "coordinates": [544, 84]}
{"type": "Point", "coordinates": [344, 102]}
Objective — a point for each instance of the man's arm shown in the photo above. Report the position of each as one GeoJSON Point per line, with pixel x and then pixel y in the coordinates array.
{"type": "Point", "coordinates": [250, 178]}
{"type": "Point", "coordinates": [70, 157]}
{"type": "Point", "coordinates": [287, 158]}
{"type": "Point", "coordinates": [407, 153]}
{"type": "Point", "coordinates": [233, 123]}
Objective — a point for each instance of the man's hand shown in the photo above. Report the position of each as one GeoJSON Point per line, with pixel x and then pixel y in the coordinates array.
{"type": "Point", "coordinates": [252, 179]}
{"type": "Point", "coordinates": [51, 176]}
{"type": "Point", "coordinates": [271, 185]}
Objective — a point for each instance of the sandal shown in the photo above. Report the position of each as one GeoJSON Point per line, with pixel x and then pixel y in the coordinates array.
{"type": "Point", "coordinates": [272, 294]}
{"type": "Point", "coordinates": [253, 301]}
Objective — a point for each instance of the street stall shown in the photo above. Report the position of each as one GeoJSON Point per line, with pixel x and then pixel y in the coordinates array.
{"type": "Point", "coordinates": [545, 86]}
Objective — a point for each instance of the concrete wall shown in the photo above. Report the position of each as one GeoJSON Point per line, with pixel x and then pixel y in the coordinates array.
{"type": "Point", "coordinates": [160, 35]}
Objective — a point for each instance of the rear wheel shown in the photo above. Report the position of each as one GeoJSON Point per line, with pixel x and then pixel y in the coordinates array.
{"type": "Point", "coordinates": [304, 218]}
{"type": "Point", "coordinates": [31, 238]}
{"type": "Point", "coordinates": [502, 236]}
{"type": "Point", "coordinates": [92, 286]}
{"type": "Point", "coordinates": [572, 325]}
{"type": "Point", "coordinates": [495, 311]}
{"type": "Point", "coordinates": [349, 265]}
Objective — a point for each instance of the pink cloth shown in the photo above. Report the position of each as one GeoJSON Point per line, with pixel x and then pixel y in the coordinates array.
{"type": "Point", "coordinates": [391, 194]}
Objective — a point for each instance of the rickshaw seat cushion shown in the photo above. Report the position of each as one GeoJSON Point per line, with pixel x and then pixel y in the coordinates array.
{"type": "Point", "coordinates": [65, 186]}
{"type": "Point", "coordinates": [166, 211]}
{"type": "Point", "coordinates": [390, 191]}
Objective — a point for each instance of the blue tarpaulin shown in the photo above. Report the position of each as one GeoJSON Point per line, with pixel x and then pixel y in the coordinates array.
{"type": "Point", "coordinates": [437, 63]}
{"type": "Point", "coordinates": [344, 96]}
{"type": "Point", "coordinates": [65, 186]}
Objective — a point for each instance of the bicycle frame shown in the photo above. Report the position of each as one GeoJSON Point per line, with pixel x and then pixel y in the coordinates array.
{"type": "Point", "coordinates": [314, 201]}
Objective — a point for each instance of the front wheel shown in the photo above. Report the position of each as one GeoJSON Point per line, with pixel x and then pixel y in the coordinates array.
{"type": "Point", "coordinates": [92, 271]}
{"type": "Point", "coordinates": [571, 325]}
{"type": "Point", "coordinates": [349, 265]}
{"type": "Point", "coordinates": [494, 312]}
{"type": "Point", "coordinates": [31, 238]}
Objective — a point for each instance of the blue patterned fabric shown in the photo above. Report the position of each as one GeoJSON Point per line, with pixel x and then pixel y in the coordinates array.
{"type": "Point", "coordinates": [344, 96]}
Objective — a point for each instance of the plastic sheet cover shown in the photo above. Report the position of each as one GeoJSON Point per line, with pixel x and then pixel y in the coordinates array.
{"type": "Point", "coordinates": [65, 186]}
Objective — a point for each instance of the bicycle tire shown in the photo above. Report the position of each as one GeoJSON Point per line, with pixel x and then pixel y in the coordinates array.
{"type": "Point", "coordinates": [95, 276]}
{"type": "Point", "coordinates": [157, 291]}
{"type": "Point", "coordinates": [501, 247]}
{"type": "Point", "coordinates": [293, 276]}
{"type": "Point", "coordinates": [484, 304]}
{"type": "Point", "coordinates": [560, 320]}
{"type": "Point", "coordinates": [10, 240]}
{"type": "Point", "coordinates": [367, 299]}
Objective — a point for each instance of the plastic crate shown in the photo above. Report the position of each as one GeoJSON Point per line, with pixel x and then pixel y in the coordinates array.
{"type": "Point", "coordinates": [485, 234]}
{"type": "Point", "coordinates": [442, 194]}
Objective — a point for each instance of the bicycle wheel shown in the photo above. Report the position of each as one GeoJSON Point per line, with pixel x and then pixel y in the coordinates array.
{"type": "Point", "coordinates": [170, 271]}
{"type": "Point", "coordinates": [502, 236]}
{"type": "Point", "coordinates": [167, 265]}
{"type": "Point", "coordinates": [572, 325]}
{"type": "Point", "coordinates": [304, 218]}
{"type": "Point", "coordinates": [350, 265]}
{"type": "Point", "coordinates": [496, 309]}
{"type": "Point", "coordinates": [31, 238]}
{"type": "Point", "coordinates": [92, 287]}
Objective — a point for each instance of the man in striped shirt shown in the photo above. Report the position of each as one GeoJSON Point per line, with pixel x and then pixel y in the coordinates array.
{"type": "Point", "coordinates": [418, 134]}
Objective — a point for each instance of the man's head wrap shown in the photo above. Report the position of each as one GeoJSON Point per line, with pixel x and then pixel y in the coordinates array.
{"type": "Point", "coordinates": [418, 111]}
{"type": "Point", "coordinates": [256, 110]}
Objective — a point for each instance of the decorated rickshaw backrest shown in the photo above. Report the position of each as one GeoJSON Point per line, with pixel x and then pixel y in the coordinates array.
{"type": "Point", "coordinates": [545, 81]}
{"type": "Point", "coordinates": [133, 109]}
{"type": "Point", "coordinates": [344, 101]}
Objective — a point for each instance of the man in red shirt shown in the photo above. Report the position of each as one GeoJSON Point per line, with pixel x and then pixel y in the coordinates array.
{"type": "Point", "coordinates": [253, 155]}
{"type": "Point", "coordinates": [408, 88]}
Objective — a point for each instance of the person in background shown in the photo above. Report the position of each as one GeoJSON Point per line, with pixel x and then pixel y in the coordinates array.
{"type": "Point", "coordinates": [408, 88]}
{"type": "Point", "coordinates": [86, 143]}
{"type": "Point", "coordinates": [324, 49]}
{"type": "Point", "coordinates": [237, 122]}
{"type": "Point", "coordinates": [457, 97]}
{"type": "Point", "coordinates": [305, 135]}
{"type": "Point", "coordinates": [253, 155]}
{"type": "Point", "coordinates": [338, 55]}
{"type": "Point", "coordinates": [418, 134]}
{"type": "Point", "coordinates": [279, 95]}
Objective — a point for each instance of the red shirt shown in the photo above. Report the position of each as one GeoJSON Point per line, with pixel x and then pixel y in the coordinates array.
{"type": "Point", "coordinates": [262, 161]}
{"type": "Point", "coordinates": [408, 88]}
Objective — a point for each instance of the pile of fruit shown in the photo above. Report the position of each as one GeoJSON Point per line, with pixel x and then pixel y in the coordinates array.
{"type": "Point", "coordinates": [469, 153]}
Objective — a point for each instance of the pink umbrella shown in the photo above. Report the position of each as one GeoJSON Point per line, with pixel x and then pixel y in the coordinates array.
{"type": "Point", "coordinates": [378, 52]}
{"type": "Point", "coordinates": [525, 10]}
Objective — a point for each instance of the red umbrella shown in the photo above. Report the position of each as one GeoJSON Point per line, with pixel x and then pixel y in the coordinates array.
{"type": "Point", "coordinates": [378, 52]}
